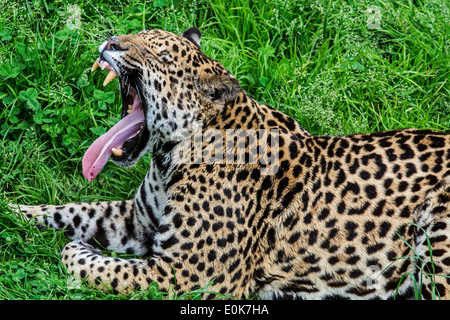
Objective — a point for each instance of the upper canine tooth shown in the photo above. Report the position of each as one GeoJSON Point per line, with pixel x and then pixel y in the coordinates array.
{"type": "Point", "coordinates": [94, 66]}
{"type": "Point", "coordinates": [111, 75]}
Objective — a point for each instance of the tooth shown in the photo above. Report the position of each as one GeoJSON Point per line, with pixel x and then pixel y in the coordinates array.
{"type": "Point", "coordinates": [117, 152]}
{"type": "Point", "coordinates": [130, 108]}
{"type": "Point", "coordinates": [111, 75]}
{"type": "Point", "coordinates": [94, 66]}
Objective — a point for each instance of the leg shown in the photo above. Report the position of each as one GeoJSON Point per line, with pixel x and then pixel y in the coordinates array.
{"type": "Point", "coordinates": [123, 226]}
{"type": "Point", "coordinates": [186, 257]}
{"type": "Point", "coordinates": [114, 225]}
{"type": "Point", "coordinates": [434, 218]}
{"type": "Point", "coordinates": [106, 273]}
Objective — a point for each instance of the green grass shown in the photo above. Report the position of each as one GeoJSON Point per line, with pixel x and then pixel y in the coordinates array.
{"type": "Point", "coordinates": [318, 61]}
{"type": "Point", "coordinates": [426, 272]}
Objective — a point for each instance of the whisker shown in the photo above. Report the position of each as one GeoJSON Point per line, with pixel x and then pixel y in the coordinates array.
{"type": "Point", "coordinates": [139, 93]}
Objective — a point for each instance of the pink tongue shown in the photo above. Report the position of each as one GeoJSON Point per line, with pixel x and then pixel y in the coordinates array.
{"type": "Point", "coordinates": [99, 152]}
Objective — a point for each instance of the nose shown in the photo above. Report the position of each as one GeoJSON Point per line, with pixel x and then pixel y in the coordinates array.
{"type": "Point", "coordinates": [111, 44]}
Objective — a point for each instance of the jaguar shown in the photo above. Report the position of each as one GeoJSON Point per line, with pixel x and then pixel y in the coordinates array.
{"type": "Point", "coordinates": [240, 197]}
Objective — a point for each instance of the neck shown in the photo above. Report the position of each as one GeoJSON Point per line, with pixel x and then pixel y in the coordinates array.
{"type": "Point", "coordinates": [246, 113]}
{"type": "Point", "coordinates": [251, 125]}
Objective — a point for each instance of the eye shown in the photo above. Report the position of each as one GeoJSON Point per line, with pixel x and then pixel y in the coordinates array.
{"type": "Point", "coordinates": [165, 56]}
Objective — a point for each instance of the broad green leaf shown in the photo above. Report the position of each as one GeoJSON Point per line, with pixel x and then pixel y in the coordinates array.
{"type": "Point", "coordinates": [98, 131]}
{"type": "Point", "coordinates": [8, 100]}
{"type": "Point", "coordinates": [159, 3]}
{"type": "Point", "coordinates": [30, 93]}
{"type": "Point", "coordinates": [23, 125]}
{"type": "Point", "coordinates": [62, 34]}
{"type": "Point", "coordinates": [83, 81]}
{"type": "Point", "coordinates": [13, 119]}
{"type": "Point", "coordinates": [38, 116]}
{"type": "Point", "coordinates": [22, 50]}
{"type": "Point", "coordinates": [108, 97]}
{"type": "Point", "coordinates": [264, 81]}
{"type": "Point", "coordinates": [33, 104]}
{"type": "Point", "coordinates": [67, 91]}
{"type": "Point", "coordinates": [7, 71]}
{"type": "Point", "coordinates": [358, 66]}
{"type": "Point", "coordinates": [102, 105]}
{"type": "Point", "coordinates": [99, 95]}
{"type": "Point", "coordinates": [5, 34]}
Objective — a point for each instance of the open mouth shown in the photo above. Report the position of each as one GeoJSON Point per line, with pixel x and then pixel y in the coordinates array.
{"type": "Point", "coordinates": [122, 143]}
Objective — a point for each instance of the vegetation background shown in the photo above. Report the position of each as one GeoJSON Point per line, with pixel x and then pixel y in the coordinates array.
{"type": "Point", "coordinates": [337, 67]}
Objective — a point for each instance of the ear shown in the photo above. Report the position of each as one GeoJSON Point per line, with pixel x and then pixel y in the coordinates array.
{"type": "Point", "coordinates": [220, 89]}
{"type": "Point", "coordinates": [193, 35]}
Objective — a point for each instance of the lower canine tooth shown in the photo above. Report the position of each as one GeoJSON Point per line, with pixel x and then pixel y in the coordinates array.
{"type": "Point", "coordinates": [111, 75]}
{"type": "Point", "coordinates": [117, 152]}
{"type": "Point", "coordinates": [130, 108]}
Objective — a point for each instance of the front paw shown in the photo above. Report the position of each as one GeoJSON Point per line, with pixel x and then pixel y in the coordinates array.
{"type": "Point", "coordinates": [25, 211]}
{"type": "Point", "coordinates": [30, 212]}
{"type": "Point", "coordinates": [79, 247]}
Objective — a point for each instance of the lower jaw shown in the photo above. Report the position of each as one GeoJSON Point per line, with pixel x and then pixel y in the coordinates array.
{"type": "Point", "coordinates": [130, 103]}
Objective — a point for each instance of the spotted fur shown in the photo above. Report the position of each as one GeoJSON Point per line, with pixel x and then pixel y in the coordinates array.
{"type": "Point", "coordinates": [333, 214]}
